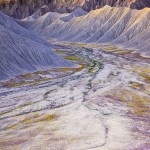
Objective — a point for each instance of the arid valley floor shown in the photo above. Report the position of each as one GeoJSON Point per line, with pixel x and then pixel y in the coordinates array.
{"type": "Point", "coordinates": [77, 80]}
{"type": "Point", "coordinates": [102, 103]}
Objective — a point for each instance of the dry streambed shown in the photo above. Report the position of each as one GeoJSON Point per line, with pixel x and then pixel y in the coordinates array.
{"type": "Point", "coordinates": [101, 104]}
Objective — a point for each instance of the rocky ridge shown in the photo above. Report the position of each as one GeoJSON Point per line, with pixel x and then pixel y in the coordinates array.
{"type": "Point", "coordinates": [24, 8]}
{"type": "Point", "coordinates": [22, 52]}
{"type": "Point", "coordinates": [108, 25]}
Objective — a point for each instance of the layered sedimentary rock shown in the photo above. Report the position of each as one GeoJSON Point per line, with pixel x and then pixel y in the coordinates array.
{"type": "Point", "coordinates": [22, 51]}
{"type": "Point", "coordinates": [21, 8]}
{"type": "Point", "coordinates": [24, 8]}
{"type": "Point", "coordinates": [115, 25]}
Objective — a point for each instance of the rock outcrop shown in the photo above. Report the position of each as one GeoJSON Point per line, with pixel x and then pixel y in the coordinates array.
{"type": "Point", "coordinates": [24, 8]}
{"type": "Point", "coordinates": [22, 51]}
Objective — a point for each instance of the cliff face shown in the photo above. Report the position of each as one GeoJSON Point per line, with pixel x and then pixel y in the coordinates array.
{"type": "Point", "coordinates": [24, 8]}
{"type": "Point", "coordinates": [134, 4]}
{"type": "Point", "coordinates": [21, 8]}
